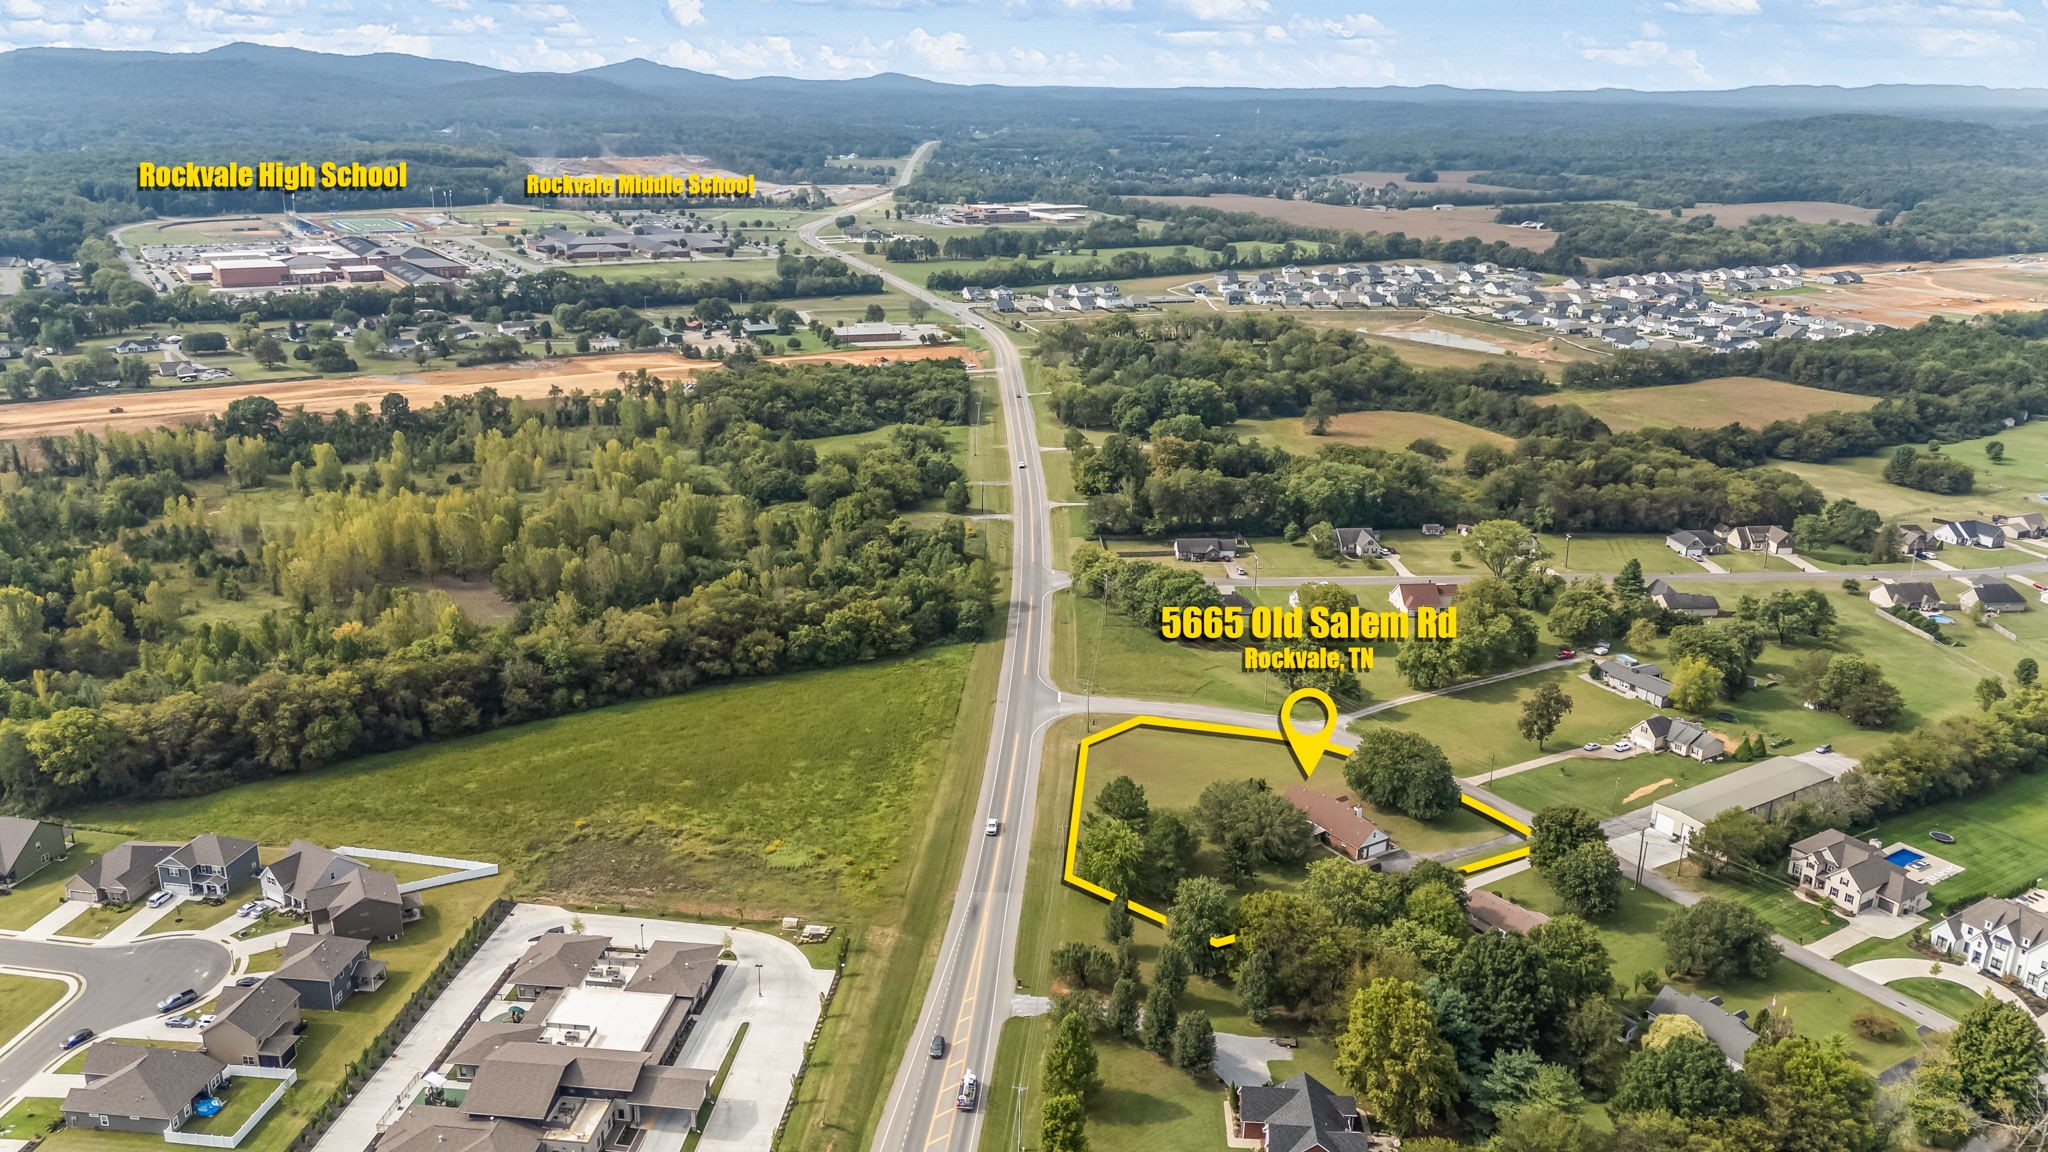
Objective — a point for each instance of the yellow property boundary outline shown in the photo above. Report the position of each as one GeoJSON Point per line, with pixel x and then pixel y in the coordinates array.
{"type": "Point", "coordinates": [1308, 748]}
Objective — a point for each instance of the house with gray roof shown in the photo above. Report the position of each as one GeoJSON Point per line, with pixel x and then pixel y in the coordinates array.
{"type": "Point", "coordinates": [256, 1026]}
{"type": "Point", "coordinates": [130, 1088]}
{"type": "Point", "coordinates": [326, 970]}
{"type": "Point", "coordinates": [1999, 938]}
{"type": "Point", "coordinates": [1854, 876]}
{"type": "Point", "coordinates": [1693, 545]}
{"type": "Point", "coordinates": [1992, 595]}
{"type": "Point", "coordinates": [1729, 1031]}
{"type": "Point", "coordinates": [1919, 595]}
{"type": "Point", "coordinates": [27, 847]}
{"type": "Point", "coordinates": [1300, 1114]}
{"type": "Point", "coordinates": [1676, 734]}
{"type": "Point", "coordinates": [1201, 548]}
{"type": "Point", "coordinates": [1635, 680]}
{"type": "Point", "coordinates": [304, 868]}
{"type": "Point", "coordinates": [1766, 538]}
{"type": "Point", "coordinates": [1683, 603]}
{"type": "Point", "coordinates": [1358, 543]}
{"type": "Point", "coordinates": [674, 968]}
{"type": "Point", "coordinates": [365, 904]}
{"type": "Point", "coordinates": [1969, 533]}
{"type": "Point", "coordinates": [123, 874]}
{"type": "Point", "coordinates": [556, 960]}
{"type": "Point", "coordinates": [208, 866]}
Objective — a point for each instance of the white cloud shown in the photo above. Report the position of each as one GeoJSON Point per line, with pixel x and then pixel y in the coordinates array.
{"type": "Point", "coordinates": [1202, 37]}
{"type": "Point", "coordinates": [948, 52]}
{"type": "Point", "coordinates": [1651, 55]}
{"type": "Point", "coordinates": [30, 10]}
{"type": "Point", "coordinates": [1227, 11]}
{"type": "Point", "coordinates": [1962, 43]}
{"type": "Point", "coordinates": [683, 54]}
{"type": "Point", "coordinates": [1716, 7]}
{"type": "Point", "coordinates": [686, 12]}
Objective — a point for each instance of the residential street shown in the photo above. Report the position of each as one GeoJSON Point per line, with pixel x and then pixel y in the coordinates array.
{"type": "Point", "coordinates": [121, 984]}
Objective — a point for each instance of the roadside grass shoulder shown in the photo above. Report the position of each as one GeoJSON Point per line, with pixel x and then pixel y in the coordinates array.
{"type": "Point", "coordinates": [22, 999]}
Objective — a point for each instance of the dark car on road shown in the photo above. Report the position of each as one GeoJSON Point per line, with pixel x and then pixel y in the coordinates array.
{"type": "Point", "coordinates": [75, 1039]}
{"type": "Point", "coordinates": [938, 1047]}
{"type": "Point", "coordinates": [177, 1000]}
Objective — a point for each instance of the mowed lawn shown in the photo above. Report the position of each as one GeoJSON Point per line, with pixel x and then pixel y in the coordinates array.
{"type": "Point", "coordinates": [1944, 996]}
{"type": "Point", "coordinates": [23, 999]}
{"type": "Point", "coordinates": [1748, 400]}
{"type": "Point", "coordinates": [1117, 656]}
{"type": "Point", "coordinates": [1476, 727]}
{"type": "Point", "coordinates": [40, 894]}
{"type": "Point", "coordinates": [1373, 429]}
{"type": "Point", "coordinates": [1998, 836]}
{"type": "Point", "coordinates": [794, 794]}
{"type": "Point", "coordinates": [1816, 1006]}
{"type": "Point", "coordinates": [2000, 488]}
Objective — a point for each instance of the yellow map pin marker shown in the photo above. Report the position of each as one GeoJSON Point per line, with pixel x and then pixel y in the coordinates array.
{"type": "Point", "coordinates": [1308, 746]}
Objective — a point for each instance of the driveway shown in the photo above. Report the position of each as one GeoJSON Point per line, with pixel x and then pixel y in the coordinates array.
{"type": "Point", "coordinates": [122, 984]}
{"type": "Point", "coordinates": [1899, 968]}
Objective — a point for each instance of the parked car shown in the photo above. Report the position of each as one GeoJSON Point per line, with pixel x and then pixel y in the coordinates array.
{"type": "Point", "coordinates": [180, 1022]}
{"type": "Point", "coordinates": [160, 899]}
{"type": "Point", "coordinates": [1623, 746]}
{"type": "Point", "coordinates": [75, 1039]}
{"type": "Point", "coordinates": [177, 1000]}
{"type": "Point", "coordinates": [1591, 746]}
{"type": "Point", "coordinates": [1565, 653]}
{"type": "Point", "coordinates": [248, 909]}
{"type": "Point", "coordinates": [246, 981]}
{"type": "Point", "coordinates": [938, 1047]}
{"type": "Point", "coordinates": [1600, 649]}
{"type": "Point", "coordinates": [1824, 749]}
{"type": "Point", "coordinates": [993, 826]}
{"type": "Point", "coordinates": [207, 1019]}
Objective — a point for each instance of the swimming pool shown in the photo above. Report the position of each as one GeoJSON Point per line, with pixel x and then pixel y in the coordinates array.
{"type": "Point", "coordinates": [1942, 619]}
{"type": "Point", "coordinates": [1904, 857]}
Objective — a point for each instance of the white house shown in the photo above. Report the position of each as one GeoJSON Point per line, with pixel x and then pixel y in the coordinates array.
{"type": "Point", "coordinates": [1854, 876]}
{"type": "Point", "coordinates": [1692, 545]}
{"type": "Point", "coordinates": [1998, 938]}
{"type": "Point", "coordinates": [1676, 734]}
{"type": "Point", "coordinates": [1918, 595]}
{"type": "Point", "coordinates": [1969, 533]}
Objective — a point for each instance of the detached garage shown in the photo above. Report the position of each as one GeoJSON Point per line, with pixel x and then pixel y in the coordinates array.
{"type": "Point", "coordinates": [1762, 788]}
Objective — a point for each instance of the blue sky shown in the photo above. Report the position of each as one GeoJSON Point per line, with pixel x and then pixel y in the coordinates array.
{"type": "Point", "coordinates": [1529, 44]}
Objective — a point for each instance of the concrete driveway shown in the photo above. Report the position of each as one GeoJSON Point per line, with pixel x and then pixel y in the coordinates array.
{"type": "Point", "coordinates": [121, 984]}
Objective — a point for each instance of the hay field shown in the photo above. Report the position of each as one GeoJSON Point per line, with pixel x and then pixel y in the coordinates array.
{"type": "Point", "coordinates": [1904, 295]}
{"type": "Point", "coordinates": [1373, 429]}
{"type": "Point", "coordinates": [1429, 223]}
{"type": "Point", "coordinates": [1747, 400]}
{"type": "Point", "coordinates": [1804, 211]}
{"type": "Point", "coordinates": [531, 380]}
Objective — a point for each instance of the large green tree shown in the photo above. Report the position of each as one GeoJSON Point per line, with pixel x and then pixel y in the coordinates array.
{"type": "Point", "coordinates": [1063, 1125]}
{"type": "Point", "coordinates": [1070, 1063]}
{"type": "Point", "coordinates": [1686, 1077]}
{"type": "Point", "coordinates": [1587, 880]}
{"type": "Point", "coordinates": [1580, 965]}
{"type": "Point", "coordinates": [1542, 712]}
{"type": "Point", "coordinates": [1999, 1056]}
{"type": "Point", "coordinates": [1718, 939]}
{"type": "Point", "coordinates": [1814, 1095]}
{"type": "Point", "coordinates": [1201, 910]}
{"type": "Point", "coordinates": [1509, 986]}
{"type": "Point", "coordinates": [1558, 829]}
{"type": "Point", "coordinates": [1391, 1055]}
{"type": "Point", "coordinates": [1402, 770]}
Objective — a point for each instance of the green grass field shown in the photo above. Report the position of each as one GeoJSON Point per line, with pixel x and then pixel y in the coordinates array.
{"type": "Point", "coordinates": [23, 999]}
{"type": "Point", "coordinates": [40, 894]}
{"type": "Point", "coordinates": [30, 1116]}
{"type": "Point", "coordinates": [1998, 838]}
{"type": "Point", "coordinates": [1597, 552]}
{"type": "Point", "coordinates": [1944, 996]}
{"type": "Point", "coordinates": [1876, 948]}
{"type": "Point", "coordinates": [100, 919]}
{"type": "Point", "coordinates": [1815, 1005]}
{"type": "Point", "coordinates": [2000, 488]}
{"type": "Point", "coordinates": [1712, 403]}
{"type": "Point", "coordinates": [1388, 430]}
{"type": "Point", "coordinates": [1122, 658]}
{"type": "Point", "coordinates": [1476, 727]}
{"type": "Point", "coordinates": [1765, 895]}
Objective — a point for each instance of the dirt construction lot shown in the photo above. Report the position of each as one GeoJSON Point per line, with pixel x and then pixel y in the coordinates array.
{"type": "Point", "coordinates": [145, 410]}
{"type": "Point", "coordinates": [1889, 295]}
{"type": "Point", "coordinates": [1428, 223]}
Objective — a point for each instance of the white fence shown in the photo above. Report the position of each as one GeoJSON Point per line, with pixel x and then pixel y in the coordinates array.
{"type": "Point", "coordinates": [464, 869]}
{"type": "Point", "coordinates": [285, 1078]}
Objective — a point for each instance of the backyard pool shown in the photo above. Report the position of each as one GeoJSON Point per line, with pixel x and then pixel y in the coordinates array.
{"type": "Point", "coordinates": [1904, 857]}
{"type": "Point", "coordinates": [1942, 619]}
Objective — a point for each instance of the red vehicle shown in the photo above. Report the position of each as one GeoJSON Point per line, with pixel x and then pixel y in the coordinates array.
{"type": "Point", "coordinates": [1565, 653]}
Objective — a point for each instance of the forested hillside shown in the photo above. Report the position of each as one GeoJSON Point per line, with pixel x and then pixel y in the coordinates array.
{"type": "Point", "coordinates": [189, 608]}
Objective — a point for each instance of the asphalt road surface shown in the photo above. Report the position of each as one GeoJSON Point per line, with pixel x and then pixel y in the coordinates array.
{"type": "Point", "coordinates": [122, 984]}
{"type": "Point", "coordinates": [972, 987]}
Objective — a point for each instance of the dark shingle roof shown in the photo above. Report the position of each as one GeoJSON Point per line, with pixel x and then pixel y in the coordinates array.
{"type": "Point", "coordinates": [1301, 1115]}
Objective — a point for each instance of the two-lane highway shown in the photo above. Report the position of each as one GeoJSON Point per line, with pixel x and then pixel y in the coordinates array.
{"type": "Point", "coordinates": [974, 983]}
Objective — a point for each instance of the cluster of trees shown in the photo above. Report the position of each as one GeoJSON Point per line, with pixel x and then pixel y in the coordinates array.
{"type": "Point", "coordinates": [1171, 388]}
{"type": "Point", "coordinates": [646, 541]}
{"type": "Point", "coordinates": [1932, 472]}
{"type": "Point", "coordinates": [1938, 381]}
